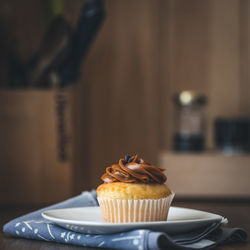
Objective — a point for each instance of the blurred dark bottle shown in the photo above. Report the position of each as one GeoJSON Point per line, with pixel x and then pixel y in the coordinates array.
{"type": "Point", "coordinates": [189, 122]}
{"type": "Point", "coordinates": [232, 135]}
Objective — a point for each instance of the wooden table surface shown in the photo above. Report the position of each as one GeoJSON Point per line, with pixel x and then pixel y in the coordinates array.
{"type": "Point", "coordinates": [237, 212]}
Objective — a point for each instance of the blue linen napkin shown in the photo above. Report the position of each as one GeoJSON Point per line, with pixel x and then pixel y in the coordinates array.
{"type": "Point", "coordinates": [34, 226]}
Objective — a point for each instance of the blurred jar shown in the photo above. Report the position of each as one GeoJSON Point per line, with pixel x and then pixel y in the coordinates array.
{"type": "Point", "coordinates": [189, 132]}
{"type": "Point", "coordinates": [232, 135]}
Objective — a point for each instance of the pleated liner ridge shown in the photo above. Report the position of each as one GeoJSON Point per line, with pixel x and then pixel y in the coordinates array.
{"type": "Point", "coordinates": [118, 211]}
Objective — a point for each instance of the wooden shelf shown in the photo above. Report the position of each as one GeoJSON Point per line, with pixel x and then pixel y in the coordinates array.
{"type": "Point", "coordinates": [207, 174]}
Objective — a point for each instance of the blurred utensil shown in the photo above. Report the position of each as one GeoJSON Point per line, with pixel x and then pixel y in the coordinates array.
{"type": "Point", "coordinates": [90, 20]}
{"type": "Point", "coordinates": [53, 51]}
{"type": "Point", "coordinates": [54, 7]}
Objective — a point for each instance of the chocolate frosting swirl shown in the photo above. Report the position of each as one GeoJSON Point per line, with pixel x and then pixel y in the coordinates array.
{"type": "Point", "coordinates": [134, 170]}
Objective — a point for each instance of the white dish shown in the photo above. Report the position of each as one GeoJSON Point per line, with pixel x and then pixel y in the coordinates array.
{"type": "Point", "coordinates": [89, 220]}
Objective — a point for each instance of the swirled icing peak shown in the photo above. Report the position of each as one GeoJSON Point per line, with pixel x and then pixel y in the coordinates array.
{"type": "Point", "coordinates": [134, 170]}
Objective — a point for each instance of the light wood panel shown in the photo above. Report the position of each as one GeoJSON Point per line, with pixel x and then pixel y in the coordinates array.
{"type": "Point", "coordinates": [31, 170]}
{"type": "Point", "coordinates": [81, 166]}
{"type": "Point", "coordinates": [122, 74]}
{"type": "Point", "coordinates": [224, 87]}
{"type": "Point", "coordinates": [184, 58]}
{"type": "Point", "coordinates": [204, 46]}
{"type": "Point", "coordinates": [245, 57]}
{"type": "Point", "coordinates": [176, 44]}
{"type": "Point", "coordinates": [207, 175]}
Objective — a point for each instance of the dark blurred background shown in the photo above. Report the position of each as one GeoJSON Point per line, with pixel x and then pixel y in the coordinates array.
{"type": "Point", "coordinates": [57, 141]}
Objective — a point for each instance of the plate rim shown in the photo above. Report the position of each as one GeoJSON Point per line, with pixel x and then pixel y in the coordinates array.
{"type": "Point", "coordinates": [216, 217]}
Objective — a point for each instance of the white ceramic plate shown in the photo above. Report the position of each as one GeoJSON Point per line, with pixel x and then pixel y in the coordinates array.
{"type": "Point", "coordinates": [89, 220]}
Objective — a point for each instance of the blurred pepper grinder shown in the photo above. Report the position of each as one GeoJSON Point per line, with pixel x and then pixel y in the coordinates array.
{"type": "Point", "coordinates": [189, 133]}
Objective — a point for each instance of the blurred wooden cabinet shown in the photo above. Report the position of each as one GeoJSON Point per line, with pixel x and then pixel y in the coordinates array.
{"type": "Point", "coordinates": [31, 168]}
{"type": "Point", "coordinates": [165, 46]}
{"type": "Point", "coordinates": [145, 52]}
{"type": "Point", "coordinates": [207, 175]}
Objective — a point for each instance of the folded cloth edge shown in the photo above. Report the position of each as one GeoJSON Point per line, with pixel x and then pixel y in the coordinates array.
{"type": "Point", "coordinates": [92, 199]}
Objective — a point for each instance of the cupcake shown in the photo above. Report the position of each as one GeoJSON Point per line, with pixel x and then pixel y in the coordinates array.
{"type": "Point", "coordinates": [134, 191]}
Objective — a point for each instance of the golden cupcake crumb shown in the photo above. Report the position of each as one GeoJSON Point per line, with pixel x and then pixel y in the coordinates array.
{"type": "Point", "coordinates": [131, 191]}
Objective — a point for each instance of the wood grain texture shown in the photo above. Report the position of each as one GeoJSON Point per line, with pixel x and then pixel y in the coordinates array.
{"type": "Point", "coordinates": [184, 58]}
{"type": "Point", "coordinates": [224, 63]}
{"type": "Point", "coordinates": [31, 171]}
{"type": "Point", "coordinates": [207, 175]}
{"type": "Point", "coordinates": [122, 72]}
{"type": "Point", "coordinates": [204, 47]}
{"type": "Point", "coordinates": [162, 48]}
{"type": "Point", "coordinates": [245, 57]}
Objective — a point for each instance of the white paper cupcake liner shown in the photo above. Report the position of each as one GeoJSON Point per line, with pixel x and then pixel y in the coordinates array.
{"type": "Point", "coordinates": [118, 211]}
